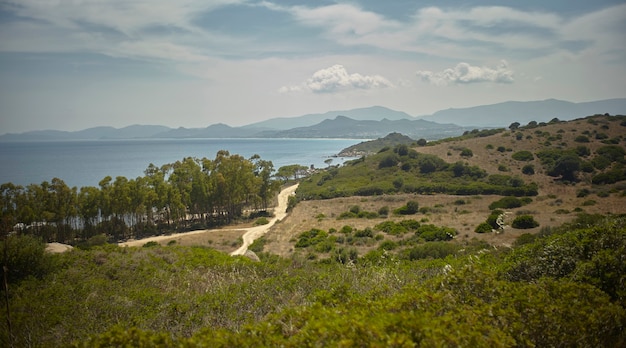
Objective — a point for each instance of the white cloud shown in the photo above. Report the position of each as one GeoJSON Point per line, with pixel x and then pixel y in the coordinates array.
{"type": "Point", "coordinates": [337, 78]}
{"type": "Point", "coordinates": [465, 73]}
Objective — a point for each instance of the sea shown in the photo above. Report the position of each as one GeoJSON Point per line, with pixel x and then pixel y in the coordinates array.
{"type": "Point", "coordinates": [81, 163]}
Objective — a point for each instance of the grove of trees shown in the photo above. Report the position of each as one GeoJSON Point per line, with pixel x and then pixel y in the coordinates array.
{"type": "Point", "coordinates": [191, 193]}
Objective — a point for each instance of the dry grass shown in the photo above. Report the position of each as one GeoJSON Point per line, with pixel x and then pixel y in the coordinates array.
{"type": "Point", "coordinates": [553, 195]}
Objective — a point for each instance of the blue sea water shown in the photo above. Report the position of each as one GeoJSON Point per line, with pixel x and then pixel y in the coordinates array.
{"type": "Point", "coordinates": [86, 162]}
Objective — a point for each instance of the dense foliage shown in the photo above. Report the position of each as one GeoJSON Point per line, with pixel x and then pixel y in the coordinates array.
{"type": "Point", "coordinates": [192, 193]}
{"type": "Point", "coordinates": [534, 295]}
{"type": "Point", "coordinates": [405, 170]}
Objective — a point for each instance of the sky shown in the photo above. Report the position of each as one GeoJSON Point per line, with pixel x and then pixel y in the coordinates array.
{"type": "Point", "coordinates": [75, 64]}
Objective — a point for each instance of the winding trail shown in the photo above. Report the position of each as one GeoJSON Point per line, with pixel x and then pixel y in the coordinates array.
{"type": "Point", "coordinates": [251, 234]}
{"type": "Point", "coordinates": [280, 212]}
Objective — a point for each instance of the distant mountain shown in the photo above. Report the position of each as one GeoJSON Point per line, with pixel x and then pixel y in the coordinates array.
{"type": "Point", "coordinates": [503, 114]}
{"type": "Point", "coordinates": [130, 132]}
{"type": "Point", "coordinates": [345, 127]}
{"type": "Point", "coordinates": [219, 130]}
{"type": "Point", "coordinates": [374, 113]}
{"type": "Point", "coordinates": [363, 123]}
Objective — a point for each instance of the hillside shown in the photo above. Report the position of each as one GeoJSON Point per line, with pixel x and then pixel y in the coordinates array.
{"type": "Point", "coordinates": [372, 146]}
{"type": "Point", "coordinates": [554, 203]}
{"type": "Point", "coordinates": [386, 250]}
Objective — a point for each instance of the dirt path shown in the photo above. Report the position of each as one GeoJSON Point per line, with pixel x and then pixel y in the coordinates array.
{"type": "Point", "coordinates": [250, 235]}
{"type": "Point", "coordinates": [279, 213]}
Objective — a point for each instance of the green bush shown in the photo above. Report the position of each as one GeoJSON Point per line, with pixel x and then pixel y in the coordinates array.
{"type": "Point", "coordinates": [388, 161]}
{"type": "Point", "coordinates": [411, 207]}
{"type": "Point", "coordinates": [524, 222]}
{"type": "Point", "coordinates": [465, 152]}
{"type": "Point", "coordinates": [383, 211]}
{"type": "Point", "coordinates": [581, 139]}
{"type": "Point", "coordinates": [431, 233]}
{"type": "Point", "coordinates": [506, 203]}
{"type": "Point", "coordinates": [24, 256]}
{"type": "Point", "coordinates": [523, 156]}
{"type": "Point", "coordinates": [261, 221]}
{"type": "Point", "coordinates": [528, 169]}
{"type": "Point", "coordinates": [433, 250]}
{"type": "Point", "coordinates": [484, 227]}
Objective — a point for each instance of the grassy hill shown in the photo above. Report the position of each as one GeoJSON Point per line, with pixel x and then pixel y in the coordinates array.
{"type": "Point", "coordinates": [387, 250]}
{"type": "Point", "coordinates": [462, 202]}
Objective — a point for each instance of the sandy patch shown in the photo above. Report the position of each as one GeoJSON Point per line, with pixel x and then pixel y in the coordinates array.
{"type": "Point", "coordinates": [58, 247]}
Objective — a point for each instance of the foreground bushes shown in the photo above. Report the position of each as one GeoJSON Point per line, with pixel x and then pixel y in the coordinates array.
{"type": "Point", "coordinates": [563, 288]}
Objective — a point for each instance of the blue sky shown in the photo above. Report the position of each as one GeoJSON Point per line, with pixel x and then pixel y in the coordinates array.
{"type": "Point", "coordinates": [72, 64]}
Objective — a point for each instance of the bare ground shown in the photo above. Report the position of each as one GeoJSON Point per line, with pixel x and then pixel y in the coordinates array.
{"type": "Point", "coordinates": [554, 205]}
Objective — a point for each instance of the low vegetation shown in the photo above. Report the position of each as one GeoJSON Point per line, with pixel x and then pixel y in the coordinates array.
{"type": "Point", "coordinates": [406, 170]}
{"type": "Point", "coordinates": [390, 263]}
{"type": "Point", "coordinates": [430, 294]}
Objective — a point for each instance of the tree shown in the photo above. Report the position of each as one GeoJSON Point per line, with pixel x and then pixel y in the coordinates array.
{"type": "Point", "coordinates": [89, 210]}
{"type": "Point", "coordinates": [292, 170]}
{"type": "Point", "coordinates": [328, 161]}
{"type": "Point", "coordinates": [524, 222]}
{"type": "Point", "coordinates": [514, 126]}
{"type": "Point", "coordinates": [266, 186]}
{"type": "Point", "coordinates": [566, 167]}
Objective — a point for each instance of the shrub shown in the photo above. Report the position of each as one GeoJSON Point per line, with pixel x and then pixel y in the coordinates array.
{"type": "Point", "coordinates": [581, 139]}
{"type": "Point", "coordinates": [612, 153]}
{"type": "Point", "coordinates": [383, 211]}
{"type": "Point", "coordinates": [24, 256]}
{"type": "Point", "coordinates": [525, 238]}
{"type": "Point", "coordinates": [493, 217]}
{"type": "Point", "coordinates": [582, 151]}
{"type": "Point", "coordinates": [435, 250]}
{"type": "Point", "coordinates": [523, 156]}
{"type": "Point", "coordinates": [391, 228]}
{"type": "Point", "coordinates": [583, 193]}
{"type": "Point", "coordinates": [410, 208]}
{"type": "Point", "coordinates": [388, 161]}
{"type": "Point", "coordinates": [258, 245]}
{"type": "Point", "coordinates": [261, 221]}
{"type": "Point", "coordinates": [484, 227]}
{"type": "Point", "coordinates": [524, 222]}
{"type": "Point", "coordinates": [609, 177]}
{"type": "Point", "coordinates": [466, 153]}
{"type": "Point", "coordinates": [506, 203]}
{"type": "Point", "coordinates": [388, 245]}
{"type": "Point", "coordinates": [528, 169]}
{"type": "Point", "coordinates": [433, 233]}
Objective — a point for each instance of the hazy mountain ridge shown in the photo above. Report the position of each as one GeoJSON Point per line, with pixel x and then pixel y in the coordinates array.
{"type": "Point", "coordinates": [346, 127]}
{"type": "Point", "coordinates": [373, 122]}
{"type": "Point", "coordinates": [503, 114]}
{"type": "Point", "coordinates": [374, 113]}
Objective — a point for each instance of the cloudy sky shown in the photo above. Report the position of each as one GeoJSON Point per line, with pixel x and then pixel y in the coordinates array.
{"type": "Point", "coordinates": [72, 64]}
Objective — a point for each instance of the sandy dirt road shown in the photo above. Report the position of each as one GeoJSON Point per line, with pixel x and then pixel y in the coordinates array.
{"type": "Point", "coordinates": [250, 235]}
{"type": "Point", "coordinates": [280, 212]}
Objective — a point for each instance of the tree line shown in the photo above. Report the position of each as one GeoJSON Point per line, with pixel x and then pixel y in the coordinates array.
{"type": "Point", "coordinates": [187, 194]}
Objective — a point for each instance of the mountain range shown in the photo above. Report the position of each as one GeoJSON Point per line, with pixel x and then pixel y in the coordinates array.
{"type": "Point", "coordinates": [362, 123]}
